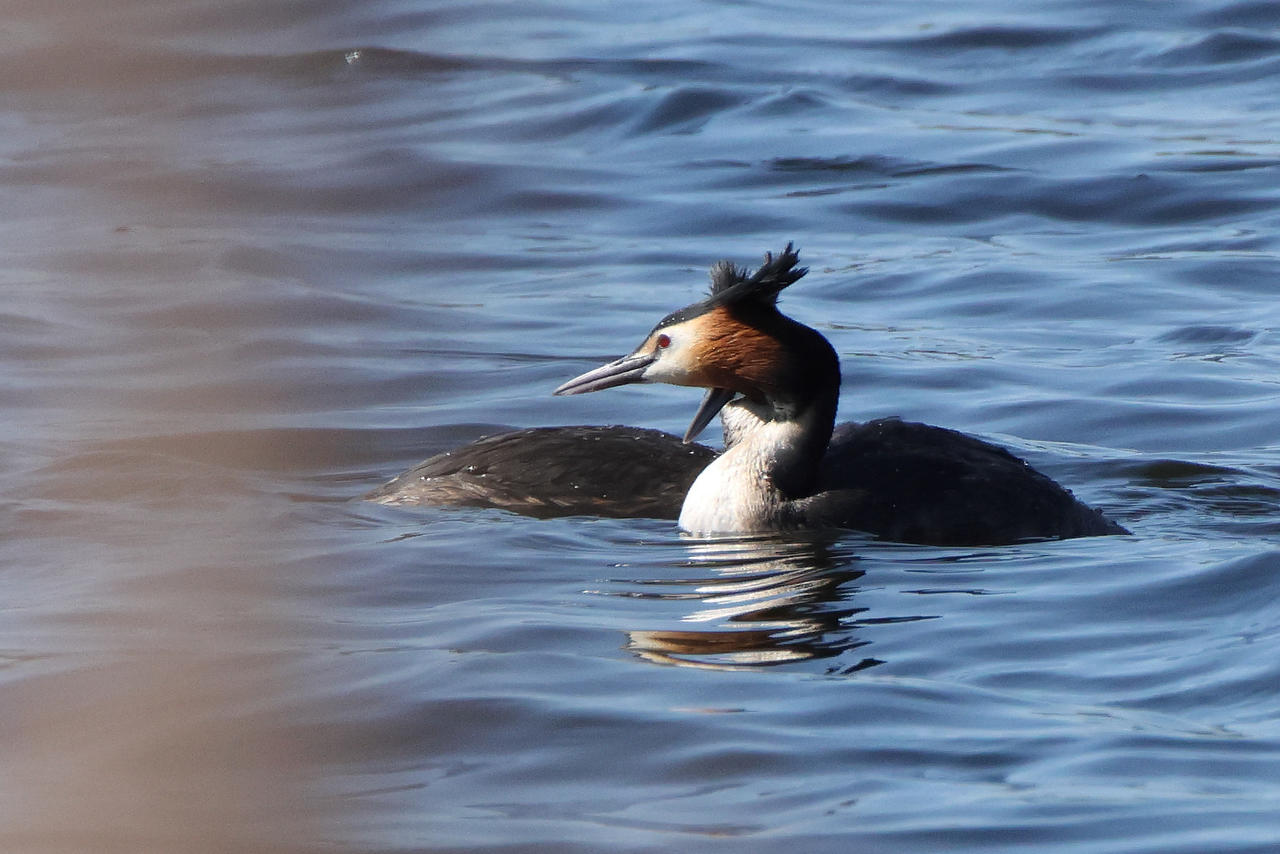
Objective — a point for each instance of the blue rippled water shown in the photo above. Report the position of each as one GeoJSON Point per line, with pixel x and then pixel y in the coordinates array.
{"type": "Point", "coordinates": [261, 257]}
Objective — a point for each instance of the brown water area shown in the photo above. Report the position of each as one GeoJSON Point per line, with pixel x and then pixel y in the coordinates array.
{"type": "Point", "coordinates": [142, 711]}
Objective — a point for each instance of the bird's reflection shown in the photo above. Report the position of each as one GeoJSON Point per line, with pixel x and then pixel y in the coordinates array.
{"type": "Point", "coordinates": [760, 602]}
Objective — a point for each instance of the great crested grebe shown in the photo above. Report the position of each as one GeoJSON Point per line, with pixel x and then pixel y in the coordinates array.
{"type": "Point", "coordinates": [775, 383]}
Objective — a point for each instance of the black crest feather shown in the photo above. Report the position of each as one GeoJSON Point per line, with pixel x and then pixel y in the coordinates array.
{"type": "Point", "coordinates": [730, 284]}
{"type": "Point", "coordinates": [733, 285]}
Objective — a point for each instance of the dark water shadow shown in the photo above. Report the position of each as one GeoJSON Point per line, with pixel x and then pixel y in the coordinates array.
{"type": "Point", "coordinates": [1231, 496]}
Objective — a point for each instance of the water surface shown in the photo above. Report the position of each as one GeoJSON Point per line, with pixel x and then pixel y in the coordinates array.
{"type": "Point", "coordinates": [261, 258]}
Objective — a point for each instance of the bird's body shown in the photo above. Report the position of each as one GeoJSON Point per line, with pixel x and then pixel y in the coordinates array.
{"type": "Point", "coordinates": [785, 466]}
{"type": "Point", "coordinates": [559, 471]}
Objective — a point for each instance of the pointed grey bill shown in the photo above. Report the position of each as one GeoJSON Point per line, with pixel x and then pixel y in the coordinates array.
{"type": "Point", "coordinates": [712, 402]}
{"type": "Point", "coordinates": [628, 369]}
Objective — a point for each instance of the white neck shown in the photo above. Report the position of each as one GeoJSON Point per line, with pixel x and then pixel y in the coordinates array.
{"type": "Point", "coordinates": [736, 493]}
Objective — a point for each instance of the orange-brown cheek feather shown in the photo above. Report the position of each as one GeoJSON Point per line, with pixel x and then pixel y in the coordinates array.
{"type": "Point", "coordinates": [732, 355]}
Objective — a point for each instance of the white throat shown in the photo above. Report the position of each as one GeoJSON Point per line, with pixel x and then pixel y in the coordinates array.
{"type": "Point", "coordinates": [736, 494]}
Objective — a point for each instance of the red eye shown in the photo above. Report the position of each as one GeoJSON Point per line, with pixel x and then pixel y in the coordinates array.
{"type": "Point", "coordinates": [664, 341]}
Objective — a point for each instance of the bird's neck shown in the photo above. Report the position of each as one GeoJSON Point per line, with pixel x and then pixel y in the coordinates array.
{"type": "Point", "coordinates": [773, 455]}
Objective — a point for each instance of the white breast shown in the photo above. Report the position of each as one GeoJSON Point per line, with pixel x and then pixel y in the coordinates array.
{"type": "Point", "coordinates": [725, 500]}
{"type": "Point", "coordinates": [735, 495]}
